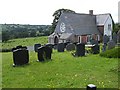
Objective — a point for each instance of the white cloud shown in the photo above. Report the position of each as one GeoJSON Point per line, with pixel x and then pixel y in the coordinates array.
{"type": "Point", "coordinates": [40, 11]}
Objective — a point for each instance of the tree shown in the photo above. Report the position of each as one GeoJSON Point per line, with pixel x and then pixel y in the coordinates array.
{"type": "Point", "coordinates": [5, 36]}
{"type": "Point", "coordinates": [57, 14]}
{"type": "Point", "coordinates": [116, 27]}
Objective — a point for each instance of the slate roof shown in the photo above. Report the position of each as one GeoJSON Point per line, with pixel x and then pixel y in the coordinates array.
{"type": "Point", "coordinates": [79, 24]}
{"type": "Point", "coordinates": [101, 18]}
{"type": "Point", "coordinates": [66, 35]}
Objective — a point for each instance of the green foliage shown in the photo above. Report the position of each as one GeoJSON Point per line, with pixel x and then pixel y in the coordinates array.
{"type": "Point", "coordinates": [63, 71]}
{"type": "Point", "coordinates": [116, 27]}
{"type": "Point", "coordinates": [5, 36]}
{"type": "Point", "coordinates": [112, 53]}
{"type": "Point", "coordinates": [57, 14]}
{"type": "Point", "coordinates": [13, 31]}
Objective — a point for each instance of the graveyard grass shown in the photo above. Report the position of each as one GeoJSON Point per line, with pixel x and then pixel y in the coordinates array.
{"type": "Point", "coordinates": [63, 71]}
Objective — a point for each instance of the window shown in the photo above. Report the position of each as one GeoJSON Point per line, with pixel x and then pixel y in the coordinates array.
{"type": "Point", "coordinates": [109, 27]}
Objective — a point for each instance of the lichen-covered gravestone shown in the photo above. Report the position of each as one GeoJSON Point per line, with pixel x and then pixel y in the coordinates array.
{"type": "Point", "coordinates": [111, 44]}
{"type": "Point", "coordinates": [70, 47]}
{"type": "Point", "coordinates": [105, 39]}
{"type": "Point", "coordinates": [115, 37]}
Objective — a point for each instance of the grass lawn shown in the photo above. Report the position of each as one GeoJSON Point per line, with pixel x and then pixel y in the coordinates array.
{"type": "Point", "coordinates": [24, 41]}
{"type": "Point", "coordinates": [63, 71]}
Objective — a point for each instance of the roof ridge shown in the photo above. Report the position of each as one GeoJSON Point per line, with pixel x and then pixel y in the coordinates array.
{"type": "Point", "coordinates": [104, 14]}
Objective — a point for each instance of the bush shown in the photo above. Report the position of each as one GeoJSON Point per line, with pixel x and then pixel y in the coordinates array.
{"type": "Point", "coordinates": [5, 50]}
{"type": "Point", "coordinates": [112, 53]}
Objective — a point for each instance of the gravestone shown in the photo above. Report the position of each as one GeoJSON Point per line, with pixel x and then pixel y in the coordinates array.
{"type": "Point", "coordinates": [105, 39]}
{"type": "Point", "coordinates": [49, 45]}
{"type": "Point", "coordinates": [96, 49]}
{"type": "Point", "coordinates": [36, 46]}
{"type": "Point", "coordinates": [104, 47]}
{"type": "Point", "coordinates": [66, 43]}
{"type": "Point", "coordinates": [111, 44]}
{"type": "Point", "coordinates": [48, 52]}
{"type": "Point", "coordinates": [44, 53]}
{"type": "Point", "coordinates": [70, 47]}
{"type": "Point", "coordinates": [41, 54]}
{"type": "Point", "coordinates": [80, 49]}
{"type": "Point", "coordinates": [60, 47]}
{"type": "Point", "coordinates": [20, 56]}
{"type": "Point", "coordinates": [115, 37]}
{"type": "Point", "coordinates": [118, 36]}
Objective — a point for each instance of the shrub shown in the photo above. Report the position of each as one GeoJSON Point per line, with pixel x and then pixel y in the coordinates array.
{"type": "Point", "coordinates": [5, 50]}
{"type": "Point", "coordinates": [112, 53]}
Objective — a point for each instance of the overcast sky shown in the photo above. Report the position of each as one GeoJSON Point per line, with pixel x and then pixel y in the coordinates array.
{"type": "Point", "coordinates": [40, 12]}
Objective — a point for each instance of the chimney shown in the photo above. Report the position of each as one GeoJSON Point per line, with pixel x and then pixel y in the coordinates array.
{"type": "Point", "coordinates": [91, 12]}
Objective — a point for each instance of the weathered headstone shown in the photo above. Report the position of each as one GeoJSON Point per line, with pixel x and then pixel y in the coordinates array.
{"type": "Point", "coordinates": [60, 47]}
{"type": "Point", "coordinates": [70, 47]}
{"type": "Point", "coordinates": [96, 49]}
{"type": "Point", "coordinates": [118, 36]}
{"type": "Point", "coordinates": [111, 44]}
{"type": "Point", "coordinates": [104, 47]}
{"type": "Point", "coordinates": [115, 37]}
{"type": "Point", "coordinates": [20, 56]}
{"type": "Point", "coordinates": [36, 46]}
{"type": "Point", "coordinates": [80, 49]}
{"type": "Point", "coordinates": [105, 39]}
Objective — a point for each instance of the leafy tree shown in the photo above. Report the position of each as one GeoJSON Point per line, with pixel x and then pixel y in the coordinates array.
{"type": "Point", "coordinates": [57, 14]}
{"type": "Point", "coordinates": [116, 27]}
{"type": "Point", "coordinates": [5, 36]}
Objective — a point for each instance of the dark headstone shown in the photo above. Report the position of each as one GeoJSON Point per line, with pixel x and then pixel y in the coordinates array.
{"type": "Point", "coordinates": [91, 87]}
{"type": "Point", "coordinates": [36, 46]}
{"type": "Point", "coordinates": [60, 47]}
{"type": "Point", "coordinates": [96, 49]}
{"type": "Point", "coordinates": [70, 47]}
{"type": "Point", "coordinates": [104, 47]}
{"type": "Point", "coordinates": [49, 45]}
{"type": "Point", "coordinates": [20, 56]}
{"type": "Point", "coordinates": [19, 47]}
{"type": "Point", "coordinates": [66, 43]}
{"type": "Point", "coordinates": [48, 52]}
{"type": "Point", "coordinates": [115, 37]}
{"type": "Point", "coordinates": [111, 44]}
{"type": "Point", "coordinates": [41, 54]}
{"type": "Point", "coordinates": [80, 49]}
{"type": "Point", "coordinates": [44, 53]}
{"type": "Point", "coordinates": [105, 39]}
